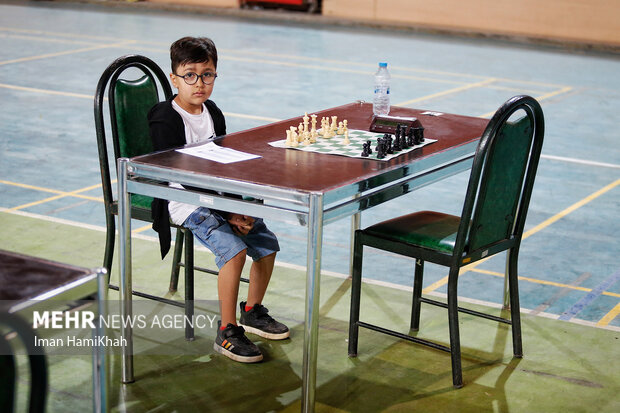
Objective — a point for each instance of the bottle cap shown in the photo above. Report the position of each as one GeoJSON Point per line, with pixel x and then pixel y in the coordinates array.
{"type": "Point", "coordinates": [382, 64]}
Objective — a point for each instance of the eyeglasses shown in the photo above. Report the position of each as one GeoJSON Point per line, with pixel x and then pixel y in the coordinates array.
{"type": "Point", "coordinates": [191, 78]}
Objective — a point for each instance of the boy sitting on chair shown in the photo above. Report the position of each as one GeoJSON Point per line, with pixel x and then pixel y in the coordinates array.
{"type": "Point", "coordinates": [187, 118]}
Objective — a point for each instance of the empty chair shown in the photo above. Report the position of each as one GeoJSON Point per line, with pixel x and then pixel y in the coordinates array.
{"type": "Point", "coordinates": [492, 221]}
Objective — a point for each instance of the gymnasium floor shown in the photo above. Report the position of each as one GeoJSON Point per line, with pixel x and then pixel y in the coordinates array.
{"type": "Point", "coordinates": [51, 56]}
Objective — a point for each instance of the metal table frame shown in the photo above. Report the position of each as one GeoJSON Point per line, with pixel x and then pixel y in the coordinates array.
{"type": "Point", "coordinates": [313, 209]}
{"type": "Point", "coordinates": [91, 283]}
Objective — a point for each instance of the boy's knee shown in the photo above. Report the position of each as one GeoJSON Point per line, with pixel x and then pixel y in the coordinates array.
{"type": "Point", "coordinates": [269, 257]}
{"type": "Point", "coordinates": [239, 258]}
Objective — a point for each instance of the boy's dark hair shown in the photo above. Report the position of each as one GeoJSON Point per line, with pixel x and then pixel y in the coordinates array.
{"type": "Point", "coordinates": [192, 50]}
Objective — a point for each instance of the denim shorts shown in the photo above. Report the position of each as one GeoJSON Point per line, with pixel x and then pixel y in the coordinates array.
{"type": "Point", "coordinates": [215, 233]}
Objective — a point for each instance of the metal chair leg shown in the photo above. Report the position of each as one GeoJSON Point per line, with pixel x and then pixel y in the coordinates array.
{"type": "Point", "coordinates": [189, 283]}
{"type": "Point", "coordinates": [515, 309]}
{"type": "Point", "coordinates": [356, 290]}
{"type": "Point", "coordinates": [176, 261]}
{"type": "Point", "coordinates": [109, 244]}
{"type": "Point", "coordinates": [453, 321]}
{"type": "Point", "coordinates": [417, 294]}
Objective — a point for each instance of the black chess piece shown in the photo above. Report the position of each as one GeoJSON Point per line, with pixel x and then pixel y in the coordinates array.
{"type": "Point", "coordinates": [380, 148]}
{"type": "Point", "coordinates": [403, 139]}
{"type": "Point", "coordinates": [418, 135]}
{"type": "Point", "coordinates": [380, 142]}
{"type": "Point", "coordinates": [410, 137]}
{"type": "Point", "coordinates": [365, 149]}
{"type": "Point", "coordinates": [369, 148]}
{"type": "Point", "coordinates": [398, 129]}
{"type": "Point", "coordinates": [389, 149]}
{"type": "Point", "coordinates": [397, 144]}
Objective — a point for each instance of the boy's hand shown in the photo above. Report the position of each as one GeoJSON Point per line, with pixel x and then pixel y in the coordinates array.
{"type": "Point", "coordinates": [240, 224]}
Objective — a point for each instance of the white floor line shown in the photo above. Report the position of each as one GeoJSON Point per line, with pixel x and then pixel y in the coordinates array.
{"type": "Point", "coordinates": [581, 161]}
{"type": "Point", "coordinates": [323, 272]}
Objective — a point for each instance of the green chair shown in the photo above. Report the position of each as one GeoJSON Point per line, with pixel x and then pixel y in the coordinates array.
{"type": "Point", "coordinates": [129, 101]}
{"type": "Point", "coordinates": [492, 220]}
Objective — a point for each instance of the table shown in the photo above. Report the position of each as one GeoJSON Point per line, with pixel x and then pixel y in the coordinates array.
{"type": "Point", "coordinates": [29, 284]}
{"type": "Point", "coordinates": [300, 188]}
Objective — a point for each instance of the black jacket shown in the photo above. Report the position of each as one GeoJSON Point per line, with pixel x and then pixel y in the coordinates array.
{"type": "Point", "coordinates": [168, 131]}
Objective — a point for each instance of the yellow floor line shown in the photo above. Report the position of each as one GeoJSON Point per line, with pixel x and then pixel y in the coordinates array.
{"type": "Point", "coordinates": [545, 282]}
{"type": "Point", "coordinates": [75, 193]}
{"type": "Point", "coordinates": [162, 47]}
{"type": "Point", "coordinates": [27, 186]}
{"type": "Point", "coordinates": [66, 52]}
{"type": "Point", "coordinates": [91, 97]}
{"type": "Point", "coordinates": [609, 316]}
{"type": "Point", "coordinates": [565, 89]}
{"type": "Point", "coordinates": [61, 34]}
{"type": "Point", "coordinates": [124, 43]}
{"type": "Point", "coordinates": [46, 39]}
{"type": "Point", "coordinates": [59, 194]}
{"type": "Point", "coordinates": [141, 229]}
{"type": "Point", "coordinates": [42, 201]}
{"type": "Point", "coordinates": [542, 225]}
{"type": "Point", "coordinates": [571, 208]}
{"type": "Point", "coordinates": [335, 69]}
{"type": "Point", "coordinates": [46, 91]}
{"type": "Point", "coordinates": [485, 82]}
{"type": "Point", "coordinates": [516, 89]}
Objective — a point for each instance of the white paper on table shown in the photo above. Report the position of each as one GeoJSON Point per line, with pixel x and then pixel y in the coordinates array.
{"type": "Point", "coordinates": [216, 153]}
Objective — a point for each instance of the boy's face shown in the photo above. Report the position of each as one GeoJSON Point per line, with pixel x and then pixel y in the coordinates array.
{"type": "Point", "coordinates": [191, 97]}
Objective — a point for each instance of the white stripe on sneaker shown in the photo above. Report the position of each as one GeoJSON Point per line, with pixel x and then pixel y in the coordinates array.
{"type": "Point", "coordinates": [270, 336]}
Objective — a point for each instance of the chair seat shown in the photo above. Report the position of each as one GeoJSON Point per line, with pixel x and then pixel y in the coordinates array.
{"type": "Point", "coordinates": [139, 212]}
{"type": "Point", "coordinates": [428, 229]}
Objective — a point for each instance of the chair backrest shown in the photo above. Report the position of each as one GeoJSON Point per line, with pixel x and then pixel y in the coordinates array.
{"type": "Point", "coordinates": [129, 101]}
{"type": "Point", "coordinates": [502, 176]}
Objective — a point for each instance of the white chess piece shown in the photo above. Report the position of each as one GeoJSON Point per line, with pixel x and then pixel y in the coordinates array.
{"type": "Point", "coordinates": [334, 124]}
{"type": "Point", "coordinates": [325, 128]}
{"type": "Point", "coordinates": [294, 138]}
{"type": "Point", "coordinates": [340, 128]}
{"type": "Point", "coordinates": [346, 140]}
{"type": "Point", "coordinates": [300, 132]}
{"type": "Point", "coordinates": [313, 132]}
{"type": "Point", "coordinates": [288, 138]}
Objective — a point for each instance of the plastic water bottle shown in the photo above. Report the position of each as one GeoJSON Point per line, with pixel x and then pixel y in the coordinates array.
{"type": "Point", "coordinates": [381, 100]}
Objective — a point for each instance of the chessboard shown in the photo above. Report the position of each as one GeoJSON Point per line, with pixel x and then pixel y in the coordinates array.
{"type": "Point", "coordinates": [335, 145]}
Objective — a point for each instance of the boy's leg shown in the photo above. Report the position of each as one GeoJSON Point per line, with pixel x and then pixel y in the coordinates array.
{"type": "Point", "coordinates": [215, 233]}
{"type": "Point", "coordinates": [260, 274]}
{"type": "Point", "coordinates": [262, 246]}
{"type": "Point", "coordinates": [254, 316]}
{"type": "Point", "coordinates": [228, 288]}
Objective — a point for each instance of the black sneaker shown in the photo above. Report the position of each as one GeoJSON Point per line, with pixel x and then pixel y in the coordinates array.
{"type": "Point", "coordinates": [233, 343]}
{"type": "Point", "coordinates": [257, 321]}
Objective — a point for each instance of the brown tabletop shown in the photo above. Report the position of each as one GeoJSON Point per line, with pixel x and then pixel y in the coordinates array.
{"type": "Point", "coordinates": [24, 278]}
{"type": "Point", "coordinates": [312, 172]}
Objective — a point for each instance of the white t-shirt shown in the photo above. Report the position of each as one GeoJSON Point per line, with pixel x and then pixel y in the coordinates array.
{"type": "Point", "coordinates": [198, 128]}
